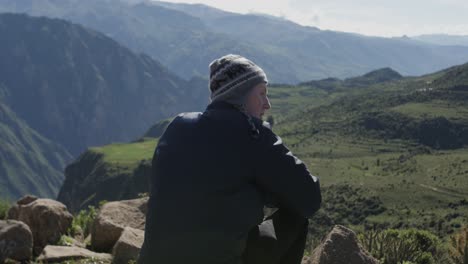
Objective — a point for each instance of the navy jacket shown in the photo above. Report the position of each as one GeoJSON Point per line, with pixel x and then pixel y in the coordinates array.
{"type": "Point", "coordinates": [213, 174]}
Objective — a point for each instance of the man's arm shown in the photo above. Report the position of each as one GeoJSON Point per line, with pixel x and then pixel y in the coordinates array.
{"type": "Point", "coordinates": [286, 177]}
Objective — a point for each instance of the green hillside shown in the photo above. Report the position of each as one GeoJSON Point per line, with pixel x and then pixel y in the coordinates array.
{"type": "Point", "coordinates": [29, 163]}
{"type": "Point", "coordinates": [113, 172]}
{"type": "Point", "coordinates": [403, 141]}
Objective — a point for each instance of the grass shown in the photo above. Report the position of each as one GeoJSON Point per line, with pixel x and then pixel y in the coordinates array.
{"type": "Point", "coordinates": [126, 156]}
{"type": "Point", "coordinates": [436, 108]}
{"type": "Point", "coordinates": [128, 153]}
{"type": "Point", "coordinates": [406, 179]}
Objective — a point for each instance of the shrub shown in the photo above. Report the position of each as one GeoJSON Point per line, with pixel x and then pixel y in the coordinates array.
{"type": "Point", "coordinates": [394, 246]}
{"type": "Point", "coordinates": [65, 241]}
{"type": "Point", "coordinates": [83, 221]}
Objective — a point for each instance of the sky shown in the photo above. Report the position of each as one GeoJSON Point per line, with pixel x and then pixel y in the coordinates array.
{"type": "Point", "coordinates": [386, 18]}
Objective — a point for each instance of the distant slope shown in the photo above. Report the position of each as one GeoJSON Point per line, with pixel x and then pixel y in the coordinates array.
{"type": "Point", "coordinates": [80, 88]}
{"type": "Point", "coordinates": [367, 102]}
{"type": "Point", "coordinates": [29, 163]}
{"type": "Point", "coordinates": [186, 38]}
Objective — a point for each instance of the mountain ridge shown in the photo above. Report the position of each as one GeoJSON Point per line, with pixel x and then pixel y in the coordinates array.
{"type": "Point", "coordinates": [67, 77]}
{"type": "Point", "coordinates": [64, 88]}
{"type": "Point", "coordinates": [289, 53]}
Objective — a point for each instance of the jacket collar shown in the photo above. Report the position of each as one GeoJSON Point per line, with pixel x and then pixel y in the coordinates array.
{"type": "Point", "coordinates": [221, 105]}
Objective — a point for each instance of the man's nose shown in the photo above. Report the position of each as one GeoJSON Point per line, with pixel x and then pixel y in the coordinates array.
{"type": "Point", "coordinates": [267, 104]}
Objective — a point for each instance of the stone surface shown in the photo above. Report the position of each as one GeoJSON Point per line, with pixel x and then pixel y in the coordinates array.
{"type": "Point", "coordinates": [16, 241]}
{"type": "Point", "coordinates": [27, 199]}
{"type": "Point", "coordinates": [341, 246]}
{"type": "Point", "coordinates": [111, 220]}
{"type": "Point", "coordinates": [128, 246]}
{"type": "Point", "coordinates": [47, 219]}
{"type": "Point", "coordinates": [60, 253]}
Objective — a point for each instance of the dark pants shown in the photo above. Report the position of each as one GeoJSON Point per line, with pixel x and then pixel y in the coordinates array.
{"type": "Point", "coordinates": [280, 239]}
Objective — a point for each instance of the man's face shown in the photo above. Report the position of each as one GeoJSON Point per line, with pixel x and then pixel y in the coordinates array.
{"type": "Point", "coordinates": [257, 102]}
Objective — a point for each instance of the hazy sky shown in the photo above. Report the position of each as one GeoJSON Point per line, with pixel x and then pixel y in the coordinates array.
{"type": "Point", "coordinates": [369, 17]}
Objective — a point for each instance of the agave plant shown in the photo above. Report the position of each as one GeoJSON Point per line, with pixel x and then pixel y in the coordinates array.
{"type": "Point", "coordinates": [459, 247]}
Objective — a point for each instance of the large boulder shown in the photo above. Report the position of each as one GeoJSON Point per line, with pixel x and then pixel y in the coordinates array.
{"type": "Point", "coordinates": [341, 246]}
{"type": "Point", "coordinates": [113, 217]}
{"type": "Point", "coordinates": [53, 254]}
{"type": "Point", "coordinates": [128, 246]}
{"type": "Point", "coordinates": [16, 241]}
{"type": "Point", "coordinates": [47, 219]}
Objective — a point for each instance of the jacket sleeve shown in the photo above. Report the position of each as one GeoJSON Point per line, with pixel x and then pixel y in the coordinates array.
{"type": "Point", "coordinates": [285, 177]}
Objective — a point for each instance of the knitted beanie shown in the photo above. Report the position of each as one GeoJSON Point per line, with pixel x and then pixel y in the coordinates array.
{"type": "Point", "coordinates": [232, 77]}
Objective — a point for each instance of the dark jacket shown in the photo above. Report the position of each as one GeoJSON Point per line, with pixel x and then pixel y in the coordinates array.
{"type": "Point", "coordinates": [213, 173]}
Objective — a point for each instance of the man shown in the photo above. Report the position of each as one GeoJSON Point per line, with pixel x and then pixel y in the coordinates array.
{"type": "Point", "coordinates": [215, 171]}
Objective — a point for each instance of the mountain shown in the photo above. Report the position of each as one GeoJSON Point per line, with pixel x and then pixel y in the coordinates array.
{"type": "Point", "coordinates": [443, 39]}
{"type": "Point", "coordinates": [187, 38]}
{"type": "Point", "coordinates": [64, 88]}
{"type": "Point", "coordinates": [313, 53]}
{"type": "Point", "coordinates": [79, 88]}
{"type": "Point", "coordinates": [370, 78]}
{"type": "Point", "coordinates": [29, 163]}
{"type": "Point", "coordinates": [180, 41]}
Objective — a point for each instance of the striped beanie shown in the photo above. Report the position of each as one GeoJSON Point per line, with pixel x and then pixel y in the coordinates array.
{"type": "Point", "coordinates": [232, 77]}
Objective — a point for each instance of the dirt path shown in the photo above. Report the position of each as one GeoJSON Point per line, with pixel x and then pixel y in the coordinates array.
{"type": "Point", "coordinates": [450, 193]}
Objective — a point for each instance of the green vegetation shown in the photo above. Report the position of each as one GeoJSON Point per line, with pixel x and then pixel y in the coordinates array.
{"type": "Point", "coordinates": [65, 241]}
{"type": "Point", "coordinates": [82, 222]}
{"type": "Point", "coordinates": [127, 156]}
{"type": "Point", "coordinates": [390, 155]}
{"type": "Point", "coordinates": [4, 206]}
{"type": "Point", "coordinates": [432, 109]}
{"type": "Point", "coordinates": [394, 246]}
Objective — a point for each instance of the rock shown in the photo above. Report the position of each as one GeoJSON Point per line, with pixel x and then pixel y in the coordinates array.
{"type": "Point", "coordinates": [27, 199]}
{"type": "Point", "coordinates": [47, 219]}
{"type": "Point", "coordinates": [341, 246]}
{"type": "Point", "coordinates": [128, 246]}
{"type": "Point", "coordinates": [52, 254]}
{"type": "Point", "coordinates": [16, 241]}
{"type": "Point", "coordinates": [111, 220]}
